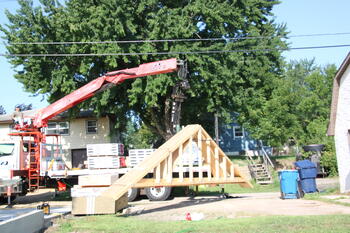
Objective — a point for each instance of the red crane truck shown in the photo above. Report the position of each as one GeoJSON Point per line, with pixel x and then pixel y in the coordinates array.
{"type": "Point", "coordinates": [21, 166]}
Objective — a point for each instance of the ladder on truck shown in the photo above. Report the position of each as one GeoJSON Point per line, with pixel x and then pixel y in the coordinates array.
{"type": "Point", "coordinates": [34, 165]}
{"type": "Point", "coordinates": [33, 150]}
{"type": "Point", "coordinates": [190, 157]}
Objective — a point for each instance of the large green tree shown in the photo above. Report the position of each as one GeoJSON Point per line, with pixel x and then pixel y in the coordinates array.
{"type": "Point", "coordinates": [238, 81]}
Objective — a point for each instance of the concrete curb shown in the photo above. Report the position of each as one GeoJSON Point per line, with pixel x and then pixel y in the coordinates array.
{"type": "Point", "coordinates": [31, 222]}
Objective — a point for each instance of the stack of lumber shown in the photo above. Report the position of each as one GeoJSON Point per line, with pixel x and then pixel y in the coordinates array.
{"type": "Point", "coordinates": [104, 156]}
{"type": "Point", "coordinates": [136, 156]}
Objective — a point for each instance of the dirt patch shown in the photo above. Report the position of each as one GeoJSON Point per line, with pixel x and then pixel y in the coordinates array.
{"type": "Point", "coordinates": [237, 206]}
{"type": "Point", "coordinates": [245, 205]}
{"type": "Point", "coordinates": [32, 200]}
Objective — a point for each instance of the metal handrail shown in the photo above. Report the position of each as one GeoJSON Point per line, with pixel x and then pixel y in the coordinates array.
{"type": "Point", "coordinates": [265, 156]}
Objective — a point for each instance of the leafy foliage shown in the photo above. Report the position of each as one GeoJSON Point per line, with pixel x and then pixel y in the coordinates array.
{"type": "Point", "coordinates": [24, 107]}
{"type": "Point", "coordinates": [299, 108]}
{"type": "Point", "coordinates": [298, 111]}
{"type": "Point", "coordinates": [138, 137]}
{"type": "Point", "coordinates": [221, 82]}
{"type": "Point", "coordinates": [329, 159]}
{"type": "Point", "coordinates": [2, 110]}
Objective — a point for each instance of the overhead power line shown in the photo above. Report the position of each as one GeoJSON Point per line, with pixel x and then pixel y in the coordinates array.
{"type": "Point", "coordinates": [174, 52]}
{"type": "Point", "coordinates": [174, 40]}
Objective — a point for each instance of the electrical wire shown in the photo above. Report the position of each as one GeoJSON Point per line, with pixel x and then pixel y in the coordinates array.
{"type": "Point", "coordinates": [174, 52]}
{"type": "Point", "coordinates": [176, 40]}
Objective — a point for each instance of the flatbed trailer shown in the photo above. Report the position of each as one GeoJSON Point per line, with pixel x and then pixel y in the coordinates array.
{"type": "Point", "coordinates": [171, 165]}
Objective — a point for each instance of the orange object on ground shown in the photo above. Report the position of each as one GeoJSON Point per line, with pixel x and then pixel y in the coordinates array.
{"type": "Point", "coordinates": [61, 186]}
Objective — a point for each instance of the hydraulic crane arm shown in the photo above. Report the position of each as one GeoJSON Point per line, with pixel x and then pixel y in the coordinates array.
{"type": "Point", "coordinates": [100, 84]}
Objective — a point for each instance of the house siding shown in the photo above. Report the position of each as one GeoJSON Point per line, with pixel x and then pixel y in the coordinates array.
{"type": "Point", "coordinates": [342, 127]}
{"type": "Point", "coordinates": [4, 131]}
{"type": "Point", "coordinates": [232, 145]}
{"type": "Point", "coordinates": [76, 139]}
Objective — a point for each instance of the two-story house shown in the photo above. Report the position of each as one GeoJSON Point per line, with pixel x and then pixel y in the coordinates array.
{"type": "Point", "coordinates": [75, 133]}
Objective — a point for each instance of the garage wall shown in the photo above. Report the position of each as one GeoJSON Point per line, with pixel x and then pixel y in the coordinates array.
{"type": "Point", "coordinates": [342, 136]}
{"type": "Point", "coordinates": [4, 131]}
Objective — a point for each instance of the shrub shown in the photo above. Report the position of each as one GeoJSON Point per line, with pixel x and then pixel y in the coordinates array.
{"type": "Point", "coordinates": [329, 159]}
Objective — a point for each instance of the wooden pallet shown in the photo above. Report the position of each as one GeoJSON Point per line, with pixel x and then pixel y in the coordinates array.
{"type": "Point", "coordinates": [164, 167]}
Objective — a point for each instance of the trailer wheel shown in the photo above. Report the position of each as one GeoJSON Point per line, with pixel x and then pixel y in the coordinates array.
{"type": "Point", "coordinates": [133, 193]}
{"type": "Point", "coordinates": [158, 193]}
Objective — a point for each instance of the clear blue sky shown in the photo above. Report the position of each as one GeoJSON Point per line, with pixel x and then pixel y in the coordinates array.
{"type": "Point", "coordinates": [301, 17]}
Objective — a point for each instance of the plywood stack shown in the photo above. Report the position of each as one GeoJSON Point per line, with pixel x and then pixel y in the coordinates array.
{"type": "Point", "coordinates": [104, 156]}
{"type": "Point", "coordinates": [165, 167]}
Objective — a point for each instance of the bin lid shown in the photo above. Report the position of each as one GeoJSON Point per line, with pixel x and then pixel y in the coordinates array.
{"type": "Point", "coordinates": [305, 164]}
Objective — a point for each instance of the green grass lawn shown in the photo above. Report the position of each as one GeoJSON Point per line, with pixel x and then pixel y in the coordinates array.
{"type": "Point", "coordinates": [321, 197]}
{"type": "Point", "coordinates": [111, 223]}
{"type": "Point", "coordinates": [235, 188]}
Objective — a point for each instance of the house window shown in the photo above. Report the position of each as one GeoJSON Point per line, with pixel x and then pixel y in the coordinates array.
{"type": "Point", "coordinates": [238, 132]}
{"type": "Point", "coordinates": [61, 128]}
{"type": "Point", "coordinates": [91, 126]}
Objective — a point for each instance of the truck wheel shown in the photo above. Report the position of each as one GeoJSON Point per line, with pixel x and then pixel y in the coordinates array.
{"type": "Point", "coordinates": [133, 193]}
{"type": "Point", "coordinates": [158, 193]}
{"type": "Point", "coordinates": [3, 200]}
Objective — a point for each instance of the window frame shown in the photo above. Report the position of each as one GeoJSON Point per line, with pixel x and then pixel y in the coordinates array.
{"type": "Point", "coordinates": [234, 131]}
{"type": "Point", "coordinates": [87, 126]}
{"type": "Point", "coordinates": [58, 129]}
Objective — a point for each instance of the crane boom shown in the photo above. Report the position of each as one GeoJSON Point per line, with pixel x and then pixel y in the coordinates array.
{"type": "Point", "coordinates": [40, 119]}
{"type": "Point", "coordinates": [100, 84]}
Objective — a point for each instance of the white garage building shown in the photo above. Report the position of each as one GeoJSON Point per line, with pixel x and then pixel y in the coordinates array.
{"type": "Point", "coordinates": [339, 125]}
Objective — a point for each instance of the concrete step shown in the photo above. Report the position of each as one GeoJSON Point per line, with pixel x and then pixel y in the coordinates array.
{"type": "Point", "coordinates": [264, 182]}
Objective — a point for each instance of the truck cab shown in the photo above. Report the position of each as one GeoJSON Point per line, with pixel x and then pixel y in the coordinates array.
{"type": "Point", "coordinates": [11, 153]}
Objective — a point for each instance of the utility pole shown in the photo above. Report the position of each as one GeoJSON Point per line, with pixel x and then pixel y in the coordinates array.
{"type": "Point", "coordinates": [216, 123]}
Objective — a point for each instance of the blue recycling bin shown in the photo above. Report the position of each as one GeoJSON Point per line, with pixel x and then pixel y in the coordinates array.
{"type": "Point", "coordinates": [307, 173]}
{"type": "Point", "coordinates": [289, 184]}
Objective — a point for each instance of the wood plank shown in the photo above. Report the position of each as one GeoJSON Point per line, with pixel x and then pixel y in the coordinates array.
{"type": "Point", "coordinates": [181, 174]}
{"type": "Point", "coordinates": [217, 165]}
{"type": "Point", "coordinates": [199, 144]}
{"type": "Point", "coordinates": [187, 182]}
{"type": "Point", "coordinates": [158, 174]}
{"type": "Point", "coordinates": [191, 158]}
{"type": "Point", "coordinates": [97, 180]}
{"type": "Point", "coordinates": [165, 168]}
{"type": "Point", "coordinates": [224, 167]}
{"type": "Point", "coordinates": [232, 172]}
{"type": "Point", "coordinates": [170, 167]}
{"type": "Point", "coordinates": [207, 143]}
